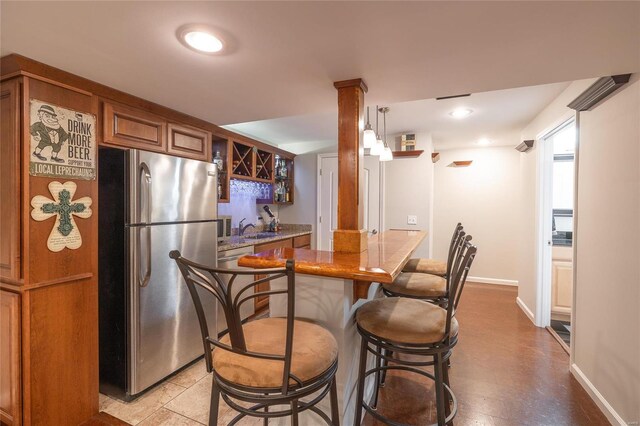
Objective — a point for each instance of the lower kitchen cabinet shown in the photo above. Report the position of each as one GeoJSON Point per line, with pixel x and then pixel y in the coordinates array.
{"type": "Point", "coordinates": [10, 390]}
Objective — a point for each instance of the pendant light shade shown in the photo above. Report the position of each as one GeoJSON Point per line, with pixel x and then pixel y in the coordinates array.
{"type": "Point", "coordinates": [377, 148]}
{"type": "Point", "coordinates": [386, 154]}
{"type": "Point", "coordinates": [369, 137]}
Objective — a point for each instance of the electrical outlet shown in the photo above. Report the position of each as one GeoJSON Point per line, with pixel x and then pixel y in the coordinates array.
{"type": "Point", "coordinates": [412, 220]}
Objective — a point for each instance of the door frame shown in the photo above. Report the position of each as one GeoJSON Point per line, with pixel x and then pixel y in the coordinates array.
{"type": "Point", "coordinates": [544, 210]}
{"type": "Point", "coordinates": [319, 196]}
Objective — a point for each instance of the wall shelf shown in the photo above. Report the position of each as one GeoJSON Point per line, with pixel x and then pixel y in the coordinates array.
{"type": "Point", "coordinates": [408, 154]}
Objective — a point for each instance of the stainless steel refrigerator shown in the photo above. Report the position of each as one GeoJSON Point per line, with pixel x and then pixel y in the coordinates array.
{"type": "Point", "coordinates": [150, 204]}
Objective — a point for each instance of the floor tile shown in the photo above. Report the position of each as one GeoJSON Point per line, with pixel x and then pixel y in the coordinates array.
{"type": "Point", "coordinates": [194, 402]}
{"type": "Point", "coordinates": [136, 411]}
{"type": "Point", "coordinates": [189, 376]}
{"type": "Point", "coordinates": [164, 417]}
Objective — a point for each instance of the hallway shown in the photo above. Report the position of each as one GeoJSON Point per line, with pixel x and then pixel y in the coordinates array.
{"type": "Point", "coordinates": [504, 371]}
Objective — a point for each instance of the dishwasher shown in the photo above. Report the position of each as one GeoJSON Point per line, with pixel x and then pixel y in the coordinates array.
{"type": "Point", "coordinates": [228, 259]}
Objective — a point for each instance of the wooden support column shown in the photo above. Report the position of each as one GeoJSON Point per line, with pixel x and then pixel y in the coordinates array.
{"type": "Point", "coordinates": [349, 236]}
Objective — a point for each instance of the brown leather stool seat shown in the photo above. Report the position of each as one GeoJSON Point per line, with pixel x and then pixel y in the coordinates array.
{"type": "Point", "coordinates": [426, 266]}
{"type": "Point", "coordinates": [402, 320]}
{"type": "Point", "coordinates": [314, 351]}
{"type": "Point", "coordinates": [417, 285]}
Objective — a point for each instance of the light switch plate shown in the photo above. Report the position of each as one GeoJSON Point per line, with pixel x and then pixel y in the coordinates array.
{"type": "Point", "coordinates": [412, 220]}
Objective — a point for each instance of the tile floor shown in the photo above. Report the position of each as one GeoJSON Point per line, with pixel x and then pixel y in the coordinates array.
{"type": "Point", "coordinates": [182, 400]}
{"type": "Point", "coordinates": [504, 371]}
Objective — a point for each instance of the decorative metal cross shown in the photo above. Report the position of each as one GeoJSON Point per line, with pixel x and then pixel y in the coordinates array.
{"type": "Point", "coordinates": [65, 233]}
{"type": "Point", "coordinates": [64, 208]}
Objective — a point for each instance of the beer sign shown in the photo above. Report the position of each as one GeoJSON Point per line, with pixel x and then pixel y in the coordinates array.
{"type": "Point", "coordinates": [63, 142]}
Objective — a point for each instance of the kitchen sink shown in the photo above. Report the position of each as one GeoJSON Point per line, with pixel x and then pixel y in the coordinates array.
{"type": "Point", "coordinates": [261, 235]}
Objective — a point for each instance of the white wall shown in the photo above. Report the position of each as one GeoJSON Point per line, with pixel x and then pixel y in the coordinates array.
{"type": "Point", "coordinates": [303, 210]}
{"type": "Point", "coordinates": [607, 303]}
{"type": "Point", "coordinates": [549, 118]}
{"type": "Point", "coordinates": [484, 197]}
{"type": "Point", "coordinates": [408, 190]}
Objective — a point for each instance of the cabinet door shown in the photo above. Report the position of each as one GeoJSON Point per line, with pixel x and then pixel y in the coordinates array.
{"type": "Point", "coordinates": [562, 287]}
{"type": "Point", "coordinates": [133, 128]}
{"type": "Point", "coordinates": [303, 241]}
{"type": "Point", "coordinates": [10, 401]}
{"type": "Point", "coordinates": [189, 142]}
{"type": "Point", "coordinates": [10, 179]}
{"type": "Point", "coordinates": [262, 302]}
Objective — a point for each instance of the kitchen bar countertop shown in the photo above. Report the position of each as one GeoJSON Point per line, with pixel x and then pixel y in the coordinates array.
{"type": "Point", "coordinates": [288, 231]}
{"type": "Point", "coordinates": [384, 259]}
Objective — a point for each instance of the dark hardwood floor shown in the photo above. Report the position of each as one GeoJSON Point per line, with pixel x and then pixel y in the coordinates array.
{"type": "Point", "coordinates": [504, 371]}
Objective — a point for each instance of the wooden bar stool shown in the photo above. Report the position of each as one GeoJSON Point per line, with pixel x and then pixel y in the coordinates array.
{"type": "Point", "coordinates": [418, 328]}
{"type": "Point", "coordinates": [266, 362]}
{"type": "Point", "coordinates": [433, 266]}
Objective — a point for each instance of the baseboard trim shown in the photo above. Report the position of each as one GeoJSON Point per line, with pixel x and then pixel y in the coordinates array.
{"type": "Point", "coordinates": [497, 281]}
{"type": "Point", "coordinates": [597, 397]}
{"type": "Point", "coordinates": [526, 310]}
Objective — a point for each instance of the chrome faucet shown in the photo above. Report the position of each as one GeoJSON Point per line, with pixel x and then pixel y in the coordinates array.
{"type": "Point", "coordinates": [241, 228]}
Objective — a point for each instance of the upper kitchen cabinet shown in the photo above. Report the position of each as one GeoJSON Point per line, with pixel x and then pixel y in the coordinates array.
{"type": "Point", "coordinates": [129, 127]}
{"type": "Point", "coordinates": [283, 186]}
{"type": "Point", "coordinates": [242, 160]}
{"type": "Point", "coordinates": [221, 153]}
{"type": "Point", "coordinates": [187, 141]}
{"type": "Point", "coordinates": [264, 165]}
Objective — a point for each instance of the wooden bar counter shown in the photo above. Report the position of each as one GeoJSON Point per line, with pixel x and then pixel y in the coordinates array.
{"type": "Point", "coordinates": [325, 295]}
{"type": "Point", "coordinates": [383, 260]}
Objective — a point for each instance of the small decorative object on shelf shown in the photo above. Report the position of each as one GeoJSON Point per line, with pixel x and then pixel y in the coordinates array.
{"type": "Point", "coordinates": [408, 142]}
{"type": "Point", "coordinates": [219, 162]}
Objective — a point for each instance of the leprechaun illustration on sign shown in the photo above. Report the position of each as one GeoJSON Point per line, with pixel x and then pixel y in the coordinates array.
{"type": "Point", "coordinates": [48, 133]}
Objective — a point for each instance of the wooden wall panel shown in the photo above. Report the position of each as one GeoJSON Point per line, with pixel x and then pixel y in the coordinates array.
{"type": "Point", "coordinates": [10, 180]}
{"type": "Point", "coordinates": [60, 308]}
{"type": "Point", "coordinates": [63, 359]}
{"type": "Point", "coordinates": [10, 389]}
{"type": "Point", "coordinates": [46, 266]}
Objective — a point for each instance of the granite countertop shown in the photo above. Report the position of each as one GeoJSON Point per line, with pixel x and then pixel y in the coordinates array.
{"type": "Point", "coordinates": [287, 231]}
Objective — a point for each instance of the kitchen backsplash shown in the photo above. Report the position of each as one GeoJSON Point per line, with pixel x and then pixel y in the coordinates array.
{"type": "Point", "coordinates": [243, 196]}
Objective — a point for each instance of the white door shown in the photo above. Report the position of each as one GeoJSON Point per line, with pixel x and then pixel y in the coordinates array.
{"type": "Point", "coordinates": [328, 197]}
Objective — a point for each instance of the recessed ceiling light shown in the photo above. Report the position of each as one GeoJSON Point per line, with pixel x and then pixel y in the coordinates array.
{"type": "Point", "coordinates": [484, 141]}
{"type": "Point", "coordinates": [461, 112]}
{"type": "Point", "coordinates": [201, 39]}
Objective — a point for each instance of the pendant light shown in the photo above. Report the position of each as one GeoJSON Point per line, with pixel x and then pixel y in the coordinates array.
{"type": "Point", "coordinates": [369, 137]}
{"type": "Point", "coordinates": [386, 154]}
{"type": "Point", "coordinates": [377, 147]}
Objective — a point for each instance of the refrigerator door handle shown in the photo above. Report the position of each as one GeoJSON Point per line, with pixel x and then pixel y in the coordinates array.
{"type": "Point", "coordinates": [145, 177]}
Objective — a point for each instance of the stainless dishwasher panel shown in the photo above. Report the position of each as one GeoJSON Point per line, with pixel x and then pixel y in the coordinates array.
{"type": "Point", "coordinates": [228, 259]}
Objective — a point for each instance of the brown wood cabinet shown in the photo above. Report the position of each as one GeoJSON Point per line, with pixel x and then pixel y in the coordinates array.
{"type": "Point", "coordinates": [189, 142]}
{"type": "Point", "coordinates": [129, 127]}
{"type": "Point", "coordinates": [303, 241]}
{"type": "Point", "coordinates": [262, 302]}
{"type": "Point", "coordinates": [10, 386]}
{"type": "Point", "coordinates": [9, 180]}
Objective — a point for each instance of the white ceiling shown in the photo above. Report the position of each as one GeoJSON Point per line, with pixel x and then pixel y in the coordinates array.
{"type": "Point", "coordinates": [286, 55]}
{"type": "Point", "coordinates": [498, 115]}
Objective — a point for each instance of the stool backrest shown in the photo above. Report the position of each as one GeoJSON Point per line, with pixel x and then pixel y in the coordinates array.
{"type": "Point", "coordinates": [211, 280]}
{"type": "Point", "coordinates": [454, 246]}
{"type": "Point", "coordinates": [459, 273]}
